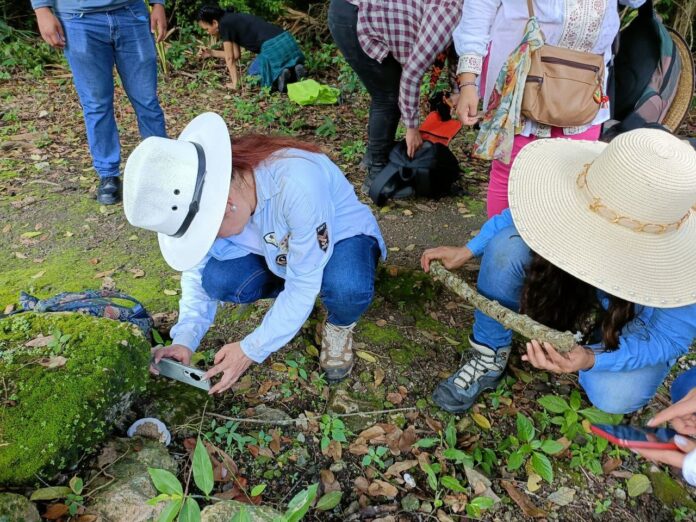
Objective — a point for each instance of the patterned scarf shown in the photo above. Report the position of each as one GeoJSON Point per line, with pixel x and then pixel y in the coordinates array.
{"type": "Point", "coordinates": [503, 117]}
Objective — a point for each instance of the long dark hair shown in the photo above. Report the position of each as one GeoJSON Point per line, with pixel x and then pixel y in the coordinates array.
{"type": "Point", "coordinates": [557, 299]}
{"type": "Point", "coordinates": [209, 13]}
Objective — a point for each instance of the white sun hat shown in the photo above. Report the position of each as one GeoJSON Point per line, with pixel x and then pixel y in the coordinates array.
{"type": "Point", "coordinates": [179, 188]}
{"type": "Point", "coordinates": [620, 217]}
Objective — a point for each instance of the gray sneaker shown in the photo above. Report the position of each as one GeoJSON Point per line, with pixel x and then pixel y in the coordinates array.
{"type": "Point", "coordinates": [483, 369]}
{"type": "Point", "coordinates": [336, 357]}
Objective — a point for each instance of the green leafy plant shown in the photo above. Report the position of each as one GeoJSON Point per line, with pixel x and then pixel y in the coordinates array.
{"type": "Point", "coordinates": [297, 508]}
{"type": "Point", "coordinates": [332, 428]}
{"type": "Point", "coordinates": [226, 436]}
{"type": "Point", "coordinates": [353, 150]}
{"type": "Point", "coordinates": [568, 413]}
{"type": "Point", "coordinates": [526, 446]}
{"type": "Point", "coordinates": [72, 494]}
{"type": "Point", "coordinates": [326, 129]}
{"type": "Point", "coordinates": [374, 456]}
{"type": "Point", "coordinates": [601, 506]}
{"type": "Point", "coordinates": [477, 506]}
{"type": "Point", "coordinates": [589, 455]}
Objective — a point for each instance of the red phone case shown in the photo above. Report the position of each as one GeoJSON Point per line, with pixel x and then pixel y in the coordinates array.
{"type": "Point", "coordinates": [625, 443]}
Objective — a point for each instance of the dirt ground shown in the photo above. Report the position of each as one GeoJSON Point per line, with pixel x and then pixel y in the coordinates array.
{"type": "Point", "coordinates": [55, 238]}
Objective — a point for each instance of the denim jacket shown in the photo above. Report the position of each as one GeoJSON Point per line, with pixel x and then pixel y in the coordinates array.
{"type": "Point", "coordinates": [304, 207]}
{"type": "Point", "coordinates": [654, 336]}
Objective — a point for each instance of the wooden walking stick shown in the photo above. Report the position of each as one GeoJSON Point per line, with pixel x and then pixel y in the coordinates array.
{"type": "Point", "coordinates": [520, 323]}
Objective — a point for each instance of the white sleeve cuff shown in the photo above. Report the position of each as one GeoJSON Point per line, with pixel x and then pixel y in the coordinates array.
{"type": "Point", "coordinates": [689, 468]}
{"type": "Point", "coordinates": [470, 63]}
{"type": "Point", "coordinates": [186, 339]}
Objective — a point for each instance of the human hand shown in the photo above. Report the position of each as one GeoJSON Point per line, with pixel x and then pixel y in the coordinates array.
{"type": "Point", "coordinates": [467, 105]}
{"type": "Point", "coordinates": [414, 141]}
{"type": "Point", "coordinates": [450, 257]}
{"type": "Point", "coordinates": [548, 358]}
{"type": "Point", "coordinates": [178, 352]}
{"type": "Point", "coordinates": [204, 52]}
{"type": "Point", "coordinates": [681, 415]}
{"type": "Point", "coordinates": [670, 457]}
{"type": "Point", "coordinates": [232, 362]}
{"type": "Point", "coordinates": [158, 22]}
{"type": "Point", "coordinates": [50, 27]}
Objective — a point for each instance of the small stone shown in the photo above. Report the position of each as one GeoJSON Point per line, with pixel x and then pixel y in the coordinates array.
{"type": "Point", "coordinates": [426, 507]}
{"type": "Point", "coordinates": [409, 480]}
{"type": "Point", "coordinates": [17, 507]}
{"type": "Point", "coordinates": [620, 494]}
{"type": "Point", "coordinates": [410, 503]}
{"type": "Point", "coordinates": [338, 466]}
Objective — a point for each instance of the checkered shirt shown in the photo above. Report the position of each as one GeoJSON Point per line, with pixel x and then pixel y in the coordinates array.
{"type": "Point", "coordinates": [414, 32]}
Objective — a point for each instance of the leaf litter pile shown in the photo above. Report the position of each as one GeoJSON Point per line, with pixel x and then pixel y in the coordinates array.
{"type": "Point", "coordinates": [373, 447]}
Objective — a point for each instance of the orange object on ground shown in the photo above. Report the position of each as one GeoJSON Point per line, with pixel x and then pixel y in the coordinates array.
{"type": "Point", "coordinates": [438, 131]}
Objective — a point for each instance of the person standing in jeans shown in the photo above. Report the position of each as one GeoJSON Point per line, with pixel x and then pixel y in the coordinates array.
{"type": "Point", "coordinates": [95, 35]}
{"type": "Point", "coordinates": [390, 45]}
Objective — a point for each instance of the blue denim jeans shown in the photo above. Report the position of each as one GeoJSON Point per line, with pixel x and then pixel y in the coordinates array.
{"type": "Point", "coordinates": [347, 286]}
{"type": "Point", "coordinates": [95, 42]}
{"type": "Point", "coordinates": [501, 277]}
{"type": "Point", "coordinates": [683, 384]}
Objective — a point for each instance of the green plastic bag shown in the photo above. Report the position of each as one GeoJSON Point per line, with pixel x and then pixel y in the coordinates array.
{"type": "Point", "coordinates": [311, 92]}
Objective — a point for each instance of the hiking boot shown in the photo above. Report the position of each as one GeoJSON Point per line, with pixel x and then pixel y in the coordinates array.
{"type": "Point", "coordinates": [372, 172]}
{"type": "Point", "coordinates": [109, 191]}
{"type": "Point", "coordinates": [483, 369]}
{"type": "Point", "coordinates": [283, 80]}
{"type": "Point", "coordinates": [336, 357]}
{"type": "Point", "coordinates": [300, 72]}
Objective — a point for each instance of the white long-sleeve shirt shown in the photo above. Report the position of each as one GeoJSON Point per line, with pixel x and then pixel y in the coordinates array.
{"type": "Point", "coordinates": [304, 207]}
{"type": "Point", "coordinates": [494, 28]}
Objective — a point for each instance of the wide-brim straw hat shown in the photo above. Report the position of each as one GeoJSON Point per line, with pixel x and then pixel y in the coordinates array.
{"type": "Point", "coordinates": [179, 188]}
{"type": "Point", "coordinates": [618, 216]}
{"type": "Point", "coordinates": [685, 88]}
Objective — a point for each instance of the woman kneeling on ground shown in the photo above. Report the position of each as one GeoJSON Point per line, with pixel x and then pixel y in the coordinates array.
{"type": "Point", "coordinates": [280, 60]}
{"type": "Point", "coordinates": [273, 219]}
{"type": "Point", "coordinates": [591, 229]}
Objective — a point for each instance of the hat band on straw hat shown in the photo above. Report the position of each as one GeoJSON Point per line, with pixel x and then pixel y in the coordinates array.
{"type": "Point", "coordinates": [598, 207]}
{"type": "Point", "coordinates": [194, 206]}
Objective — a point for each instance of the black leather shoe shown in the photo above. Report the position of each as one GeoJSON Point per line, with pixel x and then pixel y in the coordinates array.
{"type": "Point", "coordinates": [109, 191]}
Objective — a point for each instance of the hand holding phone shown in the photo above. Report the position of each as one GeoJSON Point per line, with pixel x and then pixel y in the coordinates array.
{"type": "Point", "coordinates": [637, 437]}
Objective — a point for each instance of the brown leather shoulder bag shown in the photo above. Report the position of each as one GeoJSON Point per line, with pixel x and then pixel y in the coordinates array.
{"type": "Point", "coordinates": [564, 88]}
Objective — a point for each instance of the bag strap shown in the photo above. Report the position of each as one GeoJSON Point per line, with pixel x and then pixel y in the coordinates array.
{"type": "Point", "coordinates": [387, 176]}
{"type": "Point", "coordinates": [530, 8]}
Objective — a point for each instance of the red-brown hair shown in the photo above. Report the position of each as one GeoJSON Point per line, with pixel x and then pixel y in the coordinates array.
{"type": "Point", "coordinates": [251, 149]}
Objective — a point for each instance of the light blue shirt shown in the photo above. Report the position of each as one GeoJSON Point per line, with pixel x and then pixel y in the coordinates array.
{"type": "Point", "coordinates": [85, 6]}
{"type": "Point", "coordinates": [654, 336]}
{"type": "Point", "coordinates": [304, 207]}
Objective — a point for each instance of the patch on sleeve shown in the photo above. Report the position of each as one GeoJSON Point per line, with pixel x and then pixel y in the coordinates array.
{"type": "Point", "coordinates": [282, 260]}
{"type": "Point", "coordinates": [323, 237]}
{"type": "Point", "coordinates": [271, 239]}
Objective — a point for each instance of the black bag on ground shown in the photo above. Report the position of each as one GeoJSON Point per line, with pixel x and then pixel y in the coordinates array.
{"type": "Point", "coordinates": [430, 173]}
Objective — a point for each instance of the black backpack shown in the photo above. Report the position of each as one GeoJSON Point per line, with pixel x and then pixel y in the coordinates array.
{"type": "Point", "coordinates": [645, 74]}
{"type": "Point", "coordinates": [430, 173]}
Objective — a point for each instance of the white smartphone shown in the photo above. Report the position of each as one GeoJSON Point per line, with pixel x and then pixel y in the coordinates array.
{"type": "Point", "coordinates": [182, 373]}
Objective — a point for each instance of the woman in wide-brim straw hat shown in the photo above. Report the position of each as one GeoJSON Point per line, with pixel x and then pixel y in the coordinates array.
{"type": "Point", "coordinates": [594, 231]}
{"type": "Point", "coordinates": [271, 217]}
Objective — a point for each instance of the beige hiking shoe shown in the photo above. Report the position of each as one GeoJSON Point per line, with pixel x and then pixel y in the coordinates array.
{"type": "Point", "coordinates": [336, 357]}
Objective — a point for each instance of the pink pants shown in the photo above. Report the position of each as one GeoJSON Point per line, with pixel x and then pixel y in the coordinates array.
{"type": "Point", "coordinates": [497, 199]}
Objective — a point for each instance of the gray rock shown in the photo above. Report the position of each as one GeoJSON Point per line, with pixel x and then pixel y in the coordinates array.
{"type": "Point", "coordinates": [263, 412]}
{"type": "Point", "coordinates": [225, 510]}
{"type": "Point", "coordinates": [410, 503]}
{"type": "Point", "coordinates": [17, 508]}
{"type": "Point", "coordinates": [125, 499]}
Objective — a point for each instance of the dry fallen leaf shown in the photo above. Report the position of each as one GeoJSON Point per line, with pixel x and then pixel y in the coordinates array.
{"type": "Point", "coordinates": [381, 322]}
{"type": "Point", "coordinates": [279, 367]}
{"type": "Point", "coordinates": [328, 481]}
{"type": "Point", "coordinates": [170, 292]}
{"type": "Point", "coordinates": [443, 517]}
{"type": "Point", "coordinates": [611, 464]}
{"type": "Point", "coordinates": [55, 361]}
{"type": "Point", "coordinates": [137, 272]}
{"type": "Point", "coordinates": [395, 398]}
{"type": "Point", "coordinates": [379, 376]}
{"type": "Point", "coordinates": [333, 450]}
{"type": "Point", "coordinates": [382, 488]}
{"type": "Point", "coordinates": [396, 469]}
{"type": "Point", "coordinates": [55, 511]}
{"type": "Point", "coordinates": [39, 341]}
{"type": "Point", "coordinates": [362, 484]}
{"type": "Point", "coordinates": [481, 421]}
{"type": "Point", "coordinates": [522, 500]}
{"type": "Point", "coordinates": [533, 482]}
{"type": "Point", "coordinates": [366, 356]}
{"type": "Point", "coordinates": [375, 432]}
{"type": "Point", "coordinates": [358, 448]}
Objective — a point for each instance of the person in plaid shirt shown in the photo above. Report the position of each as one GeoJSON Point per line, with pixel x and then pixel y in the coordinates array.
{"type": "Point", "coordinates": [391, 44]}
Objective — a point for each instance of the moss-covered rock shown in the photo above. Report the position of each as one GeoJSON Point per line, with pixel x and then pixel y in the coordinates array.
{"type": "Point", "coordinates": [62, 396]}
{"type": "Point", "coordinates": [228, 509]}
{"type": "Point", "coordinates": [16, 508]}
{"type": "Point", "coordinates": [126, 492]}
